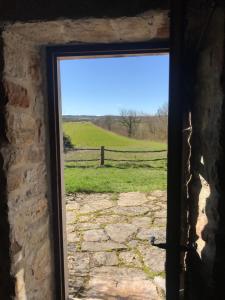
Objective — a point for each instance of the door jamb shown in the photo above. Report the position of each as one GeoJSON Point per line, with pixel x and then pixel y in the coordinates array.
{"type": "Point", "coordinates": [54, 53]}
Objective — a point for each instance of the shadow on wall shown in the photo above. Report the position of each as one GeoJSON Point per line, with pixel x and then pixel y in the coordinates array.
{"type": "Point", "coordinates": [206, 218]}
{"type": "Point", "coordinates": [204, 69]}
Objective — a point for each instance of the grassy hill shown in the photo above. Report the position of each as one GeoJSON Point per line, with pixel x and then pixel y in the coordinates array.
{"type": "Point", "coordinates": [114, 176]}
{"type": "Point", "coordinates": [86, 134]}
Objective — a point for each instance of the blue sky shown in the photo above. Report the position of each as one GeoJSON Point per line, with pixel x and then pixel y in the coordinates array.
{"type": "Point", "coordinates": [106, 85]}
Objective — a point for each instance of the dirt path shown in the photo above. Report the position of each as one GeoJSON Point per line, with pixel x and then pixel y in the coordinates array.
{"type": "Point", "coordinates": [109, 253]}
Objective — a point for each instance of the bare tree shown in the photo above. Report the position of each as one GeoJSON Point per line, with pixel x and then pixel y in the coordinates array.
{"type": "Point", "coordinates": [163, 110]}
{"type": "Point", "coordinates": [158, 123]}
{"type": "Point", "coordinates": [108, 120]}
{"type": "Point", "coordinates": [130, 120]}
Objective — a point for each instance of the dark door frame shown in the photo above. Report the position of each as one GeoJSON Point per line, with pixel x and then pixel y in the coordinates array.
{"type": "Point", "coordinates": [54, 53]}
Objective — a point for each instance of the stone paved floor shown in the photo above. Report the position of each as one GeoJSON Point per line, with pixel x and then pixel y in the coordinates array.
{"type": "Point", "coordinates": [109, 253]}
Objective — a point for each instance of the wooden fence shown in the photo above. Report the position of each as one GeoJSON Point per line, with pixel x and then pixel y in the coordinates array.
{"type": "Point", "coordinates": [102, 158]}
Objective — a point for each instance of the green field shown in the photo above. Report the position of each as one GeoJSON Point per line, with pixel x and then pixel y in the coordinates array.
{"type": "Point", "coordinates": [114, 176]}
{"type": "Point", "coordinates": [86, 134]}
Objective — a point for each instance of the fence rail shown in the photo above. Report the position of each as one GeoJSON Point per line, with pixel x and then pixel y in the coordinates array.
{"type": "Point", "coordinates": [84, 149]}
{"type": "Point", "coordinates": [102, 158]}
{"type": "Point", "coordinates": [135, 151]}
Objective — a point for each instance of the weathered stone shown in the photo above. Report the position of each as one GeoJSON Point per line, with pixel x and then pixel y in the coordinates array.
{"type": "Point", "coordinates": [160, 222]}
{"type": "Point", "coordinates": [71, 198]}
{"type": "Point", "coordinates": [21, 129]}
{"type": "Point", "coordinates": [72, 237]}
{"type": "Point", "coordinates": [36, 188]}
{"type": "Point", "coordinates": [132, 244]}
{"type": "Point", "coordinates": [110, 219]}
{"type": "Point", "coordinates": [161, 214]}
{"type": "Point", "coordinates": [160, 282]}
{"type": "Point", "coordinates": [162, 204]}
{"type": "Point", "coordinates": [20, 288]}
{"type": "Point", "coordinates": [153, 257]}
{"type": "Point", "coordinates": [21, 125]}
{"type": "Point", "coordinates": [41, 266]}
{"type": "Point", "coordinates": [120, 232]}
{"type": "Point", "coordinates": [79, 264]}
{"type": "Point", "coordinates": [158, 233]}
{"type": "Point", "coordinates": [41, 227]}
{"type": "Point", "coordinates": [76, 284]}
{"type": "Point", "coordinates": [17, 95]}
{"type": "Point", "coordinates": [35, 209]}
{"type": "Point", "coordinates": [87, 226]}
{"type": "Point", "coordinates": [118, 273]}
{"type": "Point", "coordinates": [35, 154]}
{"type": "Point", "coordinates": [72, 206]}
{"type": "Point", "coordinates": [13, 156]}
{"type": "Point", "coordinates": [70, 228]}
{"type": "Point", "coordinates": [15, 69]}
{"type": "Point", "coordinates": [130, 211]}
{"type": "Point", "coordinates": [142, 222]}
{"type": "Point", "coordinates": [70, 217]}
{"type": "Point", "coordinates": [85, 218]}
{"type": "Point", "coordinates": [95, 205]}
{"type": "Point", "coordinates": [151, 198]}
{"type": "Point", "coordinates": [130, 258]}
{"type": "Point", "coordinates": [32, 174]}
{"type": "Point", "coordinates": [153, 207]}
{"type": "Point", "coordinates": [14, 179]}
{"type": "Point", "coordinates": [95, 235]}
{"type": "Point", "coordinates": [132, 199]}
{"type": "Point", "coordinates": [120, 283]}
{"type": "Point", "coordinates": [158, 194]}
{"type": "Point", "coordinates": [104, 259]}
{"type": "Point", "coordinates": [34, 69]}
{"type": "Point", "coordinates": [91, 198]}
{"type": "Point", "coordinates": [101, 246]}
{"type": "Point", "coordinates": [132, 253]}
{"type": "Point", "coordinates": [72, 248]}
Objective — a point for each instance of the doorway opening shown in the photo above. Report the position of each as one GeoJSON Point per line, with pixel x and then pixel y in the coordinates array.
{"type": "Point", "coordinates": [114, 121]}
{"type": "Point", "coordinates": [116, 230]}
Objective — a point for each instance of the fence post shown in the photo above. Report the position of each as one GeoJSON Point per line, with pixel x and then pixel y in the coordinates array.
{"type": "Point", "coordinates": [102, 155]}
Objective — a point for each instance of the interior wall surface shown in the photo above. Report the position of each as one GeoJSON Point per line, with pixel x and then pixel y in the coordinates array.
{"type": "Point", "coordinates": [28, 262]}
{"type": "Point", "coordinates": [204, 58]}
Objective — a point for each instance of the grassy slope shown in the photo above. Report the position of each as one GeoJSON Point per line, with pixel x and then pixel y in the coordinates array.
{"type": "Point", "coordinates": [112, 177]}
{"type": "Point", "coordinates": [86, 134]}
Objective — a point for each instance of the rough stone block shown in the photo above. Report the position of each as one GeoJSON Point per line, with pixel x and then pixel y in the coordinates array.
{"type": "Point", "coordinates": [104, 259]}
{"type": "Point", "coordinates": [17, 95]}
{"type": "Point", "coordinates": [95, 235]}
{"type": "Point", "coordinates": [14, 179]}
{"type": "Point", "coordinates": [120, 232]}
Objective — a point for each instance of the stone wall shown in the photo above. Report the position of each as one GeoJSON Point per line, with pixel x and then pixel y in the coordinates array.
{"type": "Point", "coordinates": [205, 53]}
{"type": "Point", "coordinates": [25, 148]}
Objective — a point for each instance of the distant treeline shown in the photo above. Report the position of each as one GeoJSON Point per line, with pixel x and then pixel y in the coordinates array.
{"type": "Point", "coordinates": [131, 123]}
{"type": "Point", "coordinates": [149, 127]}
